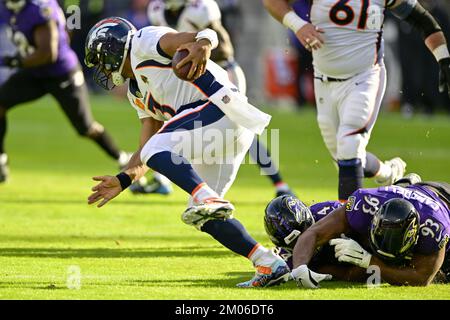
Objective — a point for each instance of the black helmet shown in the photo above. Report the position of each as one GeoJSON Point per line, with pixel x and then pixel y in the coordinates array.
{"type": "Point", "coordinates": [394, 230]}
{"type": "Point", "coordinates": [107, 46]}
{"type": "Point", "coordinates": [285, 219]}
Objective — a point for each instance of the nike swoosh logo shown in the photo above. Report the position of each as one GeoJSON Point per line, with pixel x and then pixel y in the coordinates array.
{"type": "Point", "coordinates": [314, 282]}
{"type": "Point", "coordinates": [140, 34]}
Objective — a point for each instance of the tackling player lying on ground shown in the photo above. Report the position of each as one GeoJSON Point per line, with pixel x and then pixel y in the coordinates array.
{"type": "Point", "coordinates": [401, 229]}
{"type": "Point", "coordinates": [175, 114]}
{"type": "Point", "coordinates": [46, 64]}
{"type": "Point", "coordinates": [346, 41]}
{"type": "Point", "coordinates": [197, 15]}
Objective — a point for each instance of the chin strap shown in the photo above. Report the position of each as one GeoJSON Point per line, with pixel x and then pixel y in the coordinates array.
{"type": "Point", "coordinates": [117, 77]}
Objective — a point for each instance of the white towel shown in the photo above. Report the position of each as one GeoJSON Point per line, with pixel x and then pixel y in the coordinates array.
{"type": "Point", "coordinates": [236, 107]}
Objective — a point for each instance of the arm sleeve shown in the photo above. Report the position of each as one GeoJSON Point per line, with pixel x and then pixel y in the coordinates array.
{"type": "Point", "coordinates": [404, 9]}
{"type": "Point", "coordinates": [146, 43]}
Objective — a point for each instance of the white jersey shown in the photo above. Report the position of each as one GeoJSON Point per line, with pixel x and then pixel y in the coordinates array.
{"type": "Point", "coordinates": [353, 36]}
{"type": "Point", "coordinates": [196, 15]}
{"type": "Point", "coordinates": [157, 92]}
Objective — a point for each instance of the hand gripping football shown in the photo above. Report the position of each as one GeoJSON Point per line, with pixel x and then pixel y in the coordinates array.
{"type": "Point", "coordinates": [183, 72]}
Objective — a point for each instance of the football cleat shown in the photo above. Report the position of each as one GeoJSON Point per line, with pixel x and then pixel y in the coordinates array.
{"type": "Point", "coordinates": [268, 276]}
{"type": "Point", "coordinates": [4, 170]}
{"type": "Point", "coordinates": [398, 169]}
{"type": "Point", "coordinates": [208, 210]}
{"type": "Point", "coordinates": [153, 187]}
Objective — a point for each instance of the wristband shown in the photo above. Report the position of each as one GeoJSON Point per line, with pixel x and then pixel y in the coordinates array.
{"type": "Point", "coordinates": [209, 35]}
{"type": "Point", "coordinates": [124, 179]}
{"type": "Point", "coordinates": [441, 52]}
{"type": "Point", "coordinates": [292, 21]}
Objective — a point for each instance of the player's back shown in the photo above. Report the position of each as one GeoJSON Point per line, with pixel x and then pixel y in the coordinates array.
{"type": "Point", "coordinates": [194, 16]}
{"type": "Point", "coordinates": [322, 209]}
{"type": "Point", "coordinates": [162, 94]}
{"type": "Point", "coordinates": [23, 25]}
{"type": "Point", "coordinates": [353, 36]}
{"type": "Point", "coordinates": [434, 215]}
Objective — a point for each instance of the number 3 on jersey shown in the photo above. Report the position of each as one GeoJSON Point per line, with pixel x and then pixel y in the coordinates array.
{"type": "Point", "coordinates": [370, 17]}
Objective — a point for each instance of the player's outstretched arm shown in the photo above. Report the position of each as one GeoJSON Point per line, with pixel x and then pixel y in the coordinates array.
{"type": "Point", "coordinates": [110, 187]}
{"type": "Point", "coordinates": [330, 227]}
{"type": "Point", "coordinates": [413, 12]}
{"type": "Point", "coordinates": [309, 35]}
{"type": "Point", "coordinates": [198, 44]}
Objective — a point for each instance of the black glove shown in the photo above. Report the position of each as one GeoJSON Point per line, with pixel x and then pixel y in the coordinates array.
{"type": "Point", "coordinates": [12, 61]}
{"type": "Point", "coordinates": [444, 76]}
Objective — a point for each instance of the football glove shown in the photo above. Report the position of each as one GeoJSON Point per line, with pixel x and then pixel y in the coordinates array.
{"type": "Point", "coordinates": [444, 76]}
{"type": "Point", "coordinates": [348, 250]}
{"type": "Point", "coordinates": [307, 278]}
{"type": "Point", "coordinates": [11, 61]}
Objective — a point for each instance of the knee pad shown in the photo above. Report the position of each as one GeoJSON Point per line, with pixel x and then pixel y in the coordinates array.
{"type": "Point", "coordinates": [352, 147]}
{"type": "Point", "coordinates": [95, 130]}
{"type": "Point", "coordinates": [153, 146]}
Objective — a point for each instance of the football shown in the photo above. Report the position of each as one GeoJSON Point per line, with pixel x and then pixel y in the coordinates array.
{"type": "Point", "coordinates": [183, 72]}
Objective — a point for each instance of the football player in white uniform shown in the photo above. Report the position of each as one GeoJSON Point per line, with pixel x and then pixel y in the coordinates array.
{"type": "Point", "coordinates": [180, 120]}
{"type": "Point", "coordinates": [194, 16]}
{"type": "Point", "coordinates": [346, 38]}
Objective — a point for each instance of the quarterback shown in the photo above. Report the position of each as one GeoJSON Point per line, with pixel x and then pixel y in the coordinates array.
{"type": "Point", "coordinates": [346, 39]}
{"type": "Point", "coordinates": [194, 16]}
{"type": "Point", "coordinates": [46, 65]}
{"type": "Point", "coordinates": [174, 113]}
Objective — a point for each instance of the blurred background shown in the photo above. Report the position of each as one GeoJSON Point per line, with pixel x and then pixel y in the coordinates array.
{"type": "Point", "coordinates": [278, 68]}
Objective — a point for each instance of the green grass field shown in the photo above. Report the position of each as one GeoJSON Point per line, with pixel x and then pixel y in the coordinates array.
{"type": "Point", "coordinates": [137, 247]}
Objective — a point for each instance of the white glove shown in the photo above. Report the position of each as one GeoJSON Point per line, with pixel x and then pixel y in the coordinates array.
{"type": "Point", "coordinates": [308, 278]}
{"type": "Point", "coordinates": [348, 250]}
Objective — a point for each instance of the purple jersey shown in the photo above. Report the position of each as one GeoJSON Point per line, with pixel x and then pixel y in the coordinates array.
{"type": "Point", "coordinates": [434, 230]}
{"type": "Point", "coordinates": [21, 30]}
{"type": "Point", "coordinates": [322, 209]}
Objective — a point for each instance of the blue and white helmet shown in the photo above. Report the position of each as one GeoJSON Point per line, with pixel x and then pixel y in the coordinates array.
{"type": "Point", "coordinates": [107, 46]}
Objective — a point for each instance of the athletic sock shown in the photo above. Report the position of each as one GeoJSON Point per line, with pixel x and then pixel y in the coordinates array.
{"type": "Point", "coordinates": [261, 155]}
{"type": "Point", "coordinates": [177, 169]}
{"type": "Point", "coordinates": [373, 165]}
{"type": "Point", "coordinates": [262, 256]}
{"type": "Point", "coordinates": [231, 234]}
{"type": "Point", "coordinates": [202, 193]}
{"type": "Point", "coordinates": [105, 141]}
{"type": "Point", "coordinates": [351, 176]}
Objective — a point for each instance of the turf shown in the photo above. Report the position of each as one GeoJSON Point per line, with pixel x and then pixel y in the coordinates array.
{"type": "Point", "coordinates": [137, 247]}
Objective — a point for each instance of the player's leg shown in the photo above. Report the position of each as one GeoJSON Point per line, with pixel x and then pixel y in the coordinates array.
{"type": "Point", "coordinates": [258, 151]}
{"type": "Point", "coordinates": [168, 153]}
{"type": "Point", "coordinates": [327, 115]}
{"type": "Point", "coordinates": [358, 112]}
{"type": "Point", "coordinates": [21, 87]}
{"type": "Point", "coordinates": [72, 95]}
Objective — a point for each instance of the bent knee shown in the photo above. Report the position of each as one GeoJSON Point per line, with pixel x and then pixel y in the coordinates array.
{"type": "Point", "coordinates": [351, 146]}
